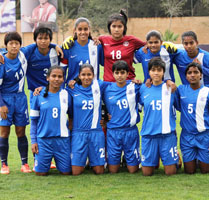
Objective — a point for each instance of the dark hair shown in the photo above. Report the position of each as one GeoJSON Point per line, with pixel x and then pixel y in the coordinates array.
{"type": "Point", "coordinates": [156, 62]}
{"type": "Point", "coordinates": [85, 65]}
{"type": "Point", "coordinates": [120, 65]}
{"type": "Point", "coordinates": [42, 30]}
{"type": "Point", "coordinates": [118, 17]}
{"type": "Point", "coordinates": [12, 36]}
{"type": "Point", "coordinates": [189, 34]}
{"type": "Point", "coordinates": [77, 22]}
{"type": "Point", "coordinates": [193, 64]}
{"type": "Point", "coordinates": [154, 33]}
{"type": "Point", "coordinates": [48, 74]}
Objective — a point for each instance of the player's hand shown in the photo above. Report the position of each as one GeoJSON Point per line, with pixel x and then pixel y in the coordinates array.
{"type": "Point", "coordinates": [59, 51]}
{"type": "Point", "coordinates": [148, 82]}
{"type": "Point", "coordinates": [172, 85]}
{"type": "Point", "coordinates": [144, 49]}
{"type": "Point", "coordinates": [71, 84]}
{"type": "Point", "coordinates": [37, 91]}
{"type": "Point", "coordinates": [3, 112]}
{"type": "Point", "coordinates": [1, 59]}
{"type": "Point", "coordinates": [96, 41]}
{"type": "Point", "coordinates": [136, 81]}
{"type": "Point", "coordinates": [170, 47]}
{"type": "Point", "coordinates": [34, 148]}
{"type": "Point", "coordinates": [68, 42]}
{"type": "Point", "coordinates": [196, 61]}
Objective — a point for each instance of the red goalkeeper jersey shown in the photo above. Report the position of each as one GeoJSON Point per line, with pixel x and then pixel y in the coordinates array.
{"type": "Point", "coordinates": [119, 50]}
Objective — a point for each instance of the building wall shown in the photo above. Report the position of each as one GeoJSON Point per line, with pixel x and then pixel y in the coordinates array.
{"type": "Point", "coordinates": [139, 28]}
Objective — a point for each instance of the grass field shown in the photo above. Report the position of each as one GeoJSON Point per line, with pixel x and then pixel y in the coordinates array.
{"type": "Point", "coordinates": [103, 187]}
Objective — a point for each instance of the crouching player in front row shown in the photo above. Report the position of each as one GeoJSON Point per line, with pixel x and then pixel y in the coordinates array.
{"type": "Point", "coordinates": [194, 106]}
{"type": "Point", "coordinates": [158, 129]}
{"type": "Point", "coordinates": [13, 101]}
{"type": "Point", "coordinates": [121, 99]}
{"type": "Point", "coordinates": [49, 130]}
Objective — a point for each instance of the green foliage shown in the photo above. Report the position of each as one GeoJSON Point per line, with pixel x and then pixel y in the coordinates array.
{"type": "Point", "coordinates": [169, 36]}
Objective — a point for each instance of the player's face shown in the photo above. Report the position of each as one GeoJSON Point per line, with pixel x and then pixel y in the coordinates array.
{"type": "Point", "coordinates": [193, 75]}
{"type": "Point", "coordinates": [154, 44]}
{"type": "Point", "coordinates": [43, 41]}
{"type": "Point", "coordinates": [116, 30]}
{"type": "Point", "coordinates": [82, 31]}
{"type": "Point", "coordinates": [190, 46]}
{"type": "Point", "coordinates": [156, 73]}
{"type": "Point", "coordinates": [120, 77]}
{"type": "Point", "coordinates": [13, 47]}
{"type": "Point", "coordinates": [86, 76]}
{"type": "Point", "coordinates": [55, 79]}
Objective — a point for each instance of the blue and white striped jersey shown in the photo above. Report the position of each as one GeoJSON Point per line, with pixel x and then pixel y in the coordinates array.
{"type": "Point", "coordinates": [51, 113]}
{"type": "Point", "coordinates": [122, 105]}
{"type": "Point", "coordinates": [159, 113]}
{"type": "Point", "coordinates": [194, 107]}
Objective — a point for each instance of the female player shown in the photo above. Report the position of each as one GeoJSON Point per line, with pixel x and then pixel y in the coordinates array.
{"type": "Point", "coordinates": [192, 54]}
{"type": "Point", "coordinates": [118, 46]}
{"type": "Point", "coordinates": [121, 99]}
{"type": "Point", "coordinates": [155, 49]}
{"type": "Point", "coordinates": [13, 101]}
{"type": "Point", "coordinates": [88, 139]}
{"type": "Point", "coordinates": [51, 107]}
{"type": "Point", "coordinates": [158, 128]}
{"type": "Point", "coordinates": [83, 50]}
{"type": "Point", "coordinates": [194, 107]}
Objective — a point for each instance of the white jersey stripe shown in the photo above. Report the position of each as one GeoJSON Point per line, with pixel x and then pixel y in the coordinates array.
{"type": "Point", "coordinates": [34, 113]}
{"type": "Point", "coordinates": [200, 58]}
{"type": "Point", "coordinates": [53, 57]}
{"type": "Point", "coordinates": [200, 107]}
{"type": "Point", "coordinates": [24, 65]}
{"type": "Point", "coordinates": [63, 96]}
{"type": "Point", "coordinates": [131, 98]}
{"type": "Point", "coordinates": [93, 54]}
{"type": "Point", "coordinates": [96, 101]}
{"type": "Point", "coordinates": [1, 81]}
{"type": "Point", "coordinates": [166, 100]}
{"type": "Point", "coordinates": [164, 55]}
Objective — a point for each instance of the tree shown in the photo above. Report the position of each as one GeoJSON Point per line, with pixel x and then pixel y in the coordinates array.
{"type": "Point", "coordinates": [172, 8]}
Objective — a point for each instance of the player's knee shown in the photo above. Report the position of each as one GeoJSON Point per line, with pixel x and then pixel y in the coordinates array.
{"type": "Point", "coordinates": [41, 173]}
{"type": "Point", "coordinates": [132, 169]}
{"type": "Point", "coordinates": [4, 134]}
{"type": "Point", "coordinates": [20, 132]}
{"type": "Point", "coordinates": [99, 170]}
{"type": "Point", "coordinates": [189, 171]}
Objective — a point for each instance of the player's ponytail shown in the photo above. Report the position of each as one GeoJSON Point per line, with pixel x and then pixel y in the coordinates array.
{"type": "Point", "coordinates": [46, 91]}
{"type": "Point", "coordinates": [118, 17]}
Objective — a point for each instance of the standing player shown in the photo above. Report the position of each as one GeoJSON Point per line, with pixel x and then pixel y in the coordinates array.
{"type": "Point", "coordinates": [118, 46]}
{"type": "Point", "coordinates": [13, 101]}
{"type": "Point", "coordinates": [83, 50]}
{"type": "Point", "coordinates": [88, 139]}
{"type": "Point", "coordinates": [194, 107]}
{"type": "Point", "coordinates": [121, 99]}
{"type": "Point", "coordinates": [51, 107]}
{"type": "Point", "coordinates": [192, 54]}
{"type": "Point", "coordinates": [155, 49]}
{"type": "Point", "coordinates": [158, 128]}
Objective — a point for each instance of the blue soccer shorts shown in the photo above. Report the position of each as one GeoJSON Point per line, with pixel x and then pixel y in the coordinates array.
{"type": "Point", "coordinates": [195, 146]}
{"type": "Point", "coordinates": [54, 147]}
{"type": "Point", "coordinates": [89, 144]}
{"type": "Point", "coordinates": [162, 146]}
{"type": "Point", "coordinates": [18, 110]}
{"type": "Point", "coordinates": [123, 139]}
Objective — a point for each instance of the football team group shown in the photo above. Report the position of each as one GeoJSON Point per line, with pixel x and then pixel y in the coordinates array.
{"type": "Point", "coordinates": [74, 116]}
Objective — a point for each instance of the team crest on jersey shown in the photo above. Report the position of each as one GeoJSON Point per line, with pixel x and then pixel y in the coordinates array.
{"type": "Point", "coordinates": [96, 91]}
{"type": "Point", "coordinates": [202, 98]}
{"type": "Point", "coordinates": [130, 92]}
{"type": "Point", "coordinates": [126, 43]}
{"type": "Point", "coordinates": [54, 61]}
{"type": "Point", "coordinates": [64, 101]}
{"type": "Point", "coordinates": [165, 58]}
{"type": "Point", "coordinates": [166, 93]}
{"type": "Point", "coordinates": [93, 53]}
{"type": "Point", "coordinates": [23, 62]}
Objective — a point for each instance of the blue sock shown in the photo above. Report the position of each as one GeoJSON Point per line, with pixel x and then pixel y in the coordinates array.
{"type": "Point", "coordinates": [4, 149]}
{"type": "Point", "coordinates": [23, 149]}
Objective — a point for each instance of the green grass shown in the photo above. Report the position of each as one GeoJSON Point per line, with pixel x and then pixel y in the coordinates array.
{"type": "Point", "coordinates": [89, 186]}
